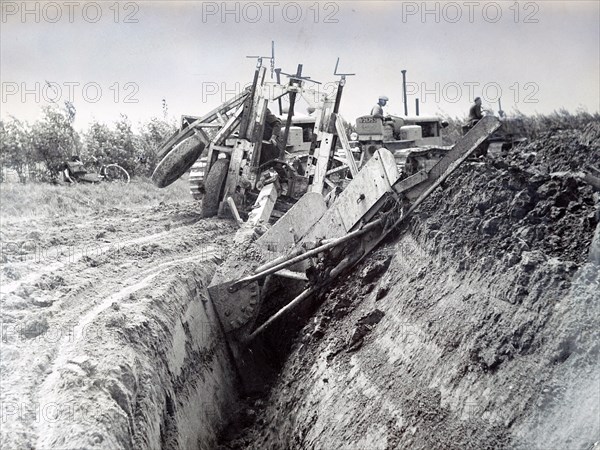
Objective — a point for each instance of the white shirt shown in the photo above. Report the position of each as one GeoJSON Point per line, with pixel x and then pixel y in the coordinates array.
{"type": "Point", "coordinates": [377, 110]}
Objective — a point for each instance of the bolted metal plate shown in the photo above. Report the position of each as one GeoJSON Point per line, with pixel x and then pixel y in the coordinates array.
{"type": "Point", "coordinates": [293, 225]}
{"type": "Point", "coordinates": [235, 309]}
{"type": "Point", "coordinates": [360, 197]}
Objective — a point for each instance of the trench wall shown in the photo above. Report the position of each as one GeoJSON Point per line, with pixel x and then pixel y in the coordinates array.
{"type": "Point", "coordinates": [157, 376]}
{"type": "Point", "coordinates": [486, 354]}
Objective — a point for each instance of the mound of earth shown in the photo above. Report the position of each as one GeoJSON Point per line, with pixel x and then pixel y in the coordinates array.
{"type": "Point", "coordinates": [476, 327]}
{"type": "Point", "coordinates": [560, 150]}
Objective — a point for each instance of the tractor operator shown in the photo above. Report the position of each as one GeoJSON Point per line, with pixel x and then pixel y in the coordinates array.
{"type": "Point", "coordinates": [377, 110]}
{"type": "Point", "coordinates": [475, 114]}
{"type": "Point", "coordinates": [271, 138]}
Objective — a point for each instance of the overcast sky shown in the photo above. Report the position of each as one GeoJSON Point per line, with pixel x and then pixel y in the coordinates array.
{"type": "Point", "coordinates": [111, 58]}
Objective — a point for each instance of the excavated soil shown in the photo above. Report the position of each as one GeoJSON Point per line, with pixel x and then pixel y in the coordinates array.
{"type": "Point", "coordinates": [475, 327]}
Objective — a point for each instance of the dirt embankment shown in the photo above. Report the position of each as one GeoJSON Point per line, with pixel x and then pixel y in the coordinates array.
{"type": "Point", "coordinates": [108, 337]}
{"type": "Point", "coordinates": [477, 328]}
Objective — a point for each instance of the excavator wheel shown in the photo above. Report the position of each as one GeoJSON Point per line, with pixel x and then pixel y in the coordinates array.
{"type": "Point", "coordinates": [196, 178]}
{"type": "Point", "coordinates": [214, 185]}
{"type": "Point", "coordinates": [177, 162]}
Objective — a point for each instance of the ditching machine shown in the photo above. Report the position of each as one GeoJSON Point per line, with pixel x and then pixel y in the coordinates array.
{"type": "Point", "coordinates": [226, 151]}
{"type": "Point", "coordinates": [329, 211]}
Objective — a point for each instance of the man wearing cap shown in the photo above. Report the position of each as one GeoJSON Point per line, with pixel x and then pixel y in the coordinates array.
{"type": "Point", "coordinates": [377, 110]}
{"type": "Point", "coordinates": [475, 114]}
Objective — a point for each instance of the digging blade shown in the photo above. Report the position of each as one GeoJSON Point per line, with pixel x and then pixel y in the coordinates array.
{"type": "Point", "coordinates": [237, 309]}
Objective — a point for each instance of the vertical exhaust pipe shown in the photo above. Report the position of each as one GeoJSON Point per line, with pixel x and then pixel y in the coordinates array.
{"type": "Point", "coordinates": [404, 92]}
{"type": "Point", "coordinates": [417, 106]}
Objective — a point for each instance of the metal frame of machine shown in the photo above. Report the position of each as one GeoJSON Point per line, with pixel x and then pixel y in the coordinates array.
{"type": "Point", "coordinates": [321, 234]}
{"type": "Point", "coordinates": [234, 130]}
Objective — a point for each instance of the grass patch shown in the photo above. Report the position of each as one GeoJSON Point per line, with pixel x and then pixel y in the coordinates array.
{"type": "Point", "coordinates": [39, 200]}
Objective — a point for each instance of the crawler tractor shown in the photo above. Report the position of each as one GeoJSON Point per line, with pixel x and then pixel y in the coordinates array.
{"type": "Point", "coordinates": [416, 142]}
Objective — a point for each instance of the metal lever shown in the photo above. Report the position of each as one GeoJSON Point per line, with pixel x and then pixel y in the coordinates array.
{"type": "Point", "coordinates": [271, 58]}
{"type": "Point", "coordinates": [296, 77]}
{"type": "Point", "coordinates": [343, 75]}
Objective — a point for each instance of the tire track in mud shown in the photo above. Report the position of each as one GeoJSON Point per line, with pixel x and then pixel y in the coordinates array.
{"type": "Point", "coordinates": [68, 350]}
{"type": "Point", "coordinates": [11, 287]}
{"type": "Point", "coordinates": [44, 248]}
{"type": "Point", "coordinates": [132, 285]}
{"type": "Point", "coordinates": [38, 342]}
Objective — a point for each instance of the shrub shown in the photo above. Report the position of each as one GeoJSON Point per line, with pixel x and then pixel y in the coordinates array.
{"type": "Point", "coordinates": [54, 140]}
{"type": "Point", "coordinates": [15, 148]}
{"type": "Point", "coordinates": [136, 153]}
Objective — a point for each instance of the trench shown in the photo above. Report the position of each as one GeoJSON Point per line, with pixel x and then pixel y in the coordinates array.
{"type": "Point", "coordinates": [473, 327]}
{"type": "Point", "coordinates": [155, 371]}
{"type": "Point", "coordinates": [459, 359]}
{"type": "Point", "coordinates": [463, 347]}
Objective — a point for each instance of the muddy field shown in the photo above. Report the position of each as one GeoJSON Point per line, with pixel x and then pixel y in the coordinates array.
{"type": "Point", "coordinates": [97, 317]}
{"type": "Point", "coordinates": [475, 326]}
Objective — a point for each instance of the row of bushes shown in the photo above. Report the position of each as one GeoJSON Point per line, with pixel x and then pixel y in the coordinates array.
{"type": "Point", "coordinates": [40, 150]}
{"type": "Point", "coordinates": [530, 127]}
